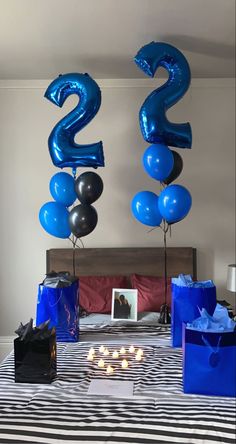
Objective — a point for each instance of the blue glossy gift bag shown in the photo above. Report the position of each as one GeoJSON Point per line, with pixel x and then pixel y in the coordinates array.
{"type": "Point", "coordinates": [209, 362]}
{"type": "Point", "coordinates": [60, 305]}
{"type": "Point", "coordinates": [186, 303]}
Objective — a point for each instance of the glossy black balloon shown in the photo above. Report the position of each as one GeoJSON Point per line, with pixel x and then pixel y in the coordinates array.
{"type": "Point", "coordinates": [176, 170]}
{"type": "Point", "coordinates": [88, 187]}
{"type": "Point", "coordinates": [82, 220]}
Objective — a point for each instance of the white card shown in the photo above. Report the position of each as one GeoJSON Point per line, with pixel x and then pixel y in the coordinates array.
{"type": "Point", "coordinates": [112, 388]}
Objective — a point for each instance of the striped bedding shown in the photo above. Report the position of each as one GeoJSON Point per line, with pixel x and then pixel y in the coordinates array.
{"type": "Point", "coordinates": [158, 413]}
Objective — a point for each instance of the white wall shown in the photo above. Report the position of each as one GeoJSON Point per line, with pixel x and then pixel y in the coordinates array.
{"type": "Point", "coordinates": [26, 119]}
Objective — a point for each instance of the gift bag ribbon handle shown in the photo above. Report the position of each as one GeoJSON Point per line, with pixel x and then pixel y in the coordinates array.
{"type": "Point", "coordinates": [214, 357]}
{"type": "Point", "coordinates": [58, 299]}
{"type": "Point", "coordinates": [49, 298]}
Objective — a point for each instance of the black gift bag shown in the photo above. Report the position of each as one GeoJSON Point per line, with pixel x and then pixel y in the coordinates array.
{"type": "Point", "coordinates": [35, 361]}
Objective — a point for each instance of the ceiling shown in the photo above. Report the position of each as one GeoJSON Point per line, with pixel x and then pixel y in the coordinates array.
{"type": "Point", "coordinates": [41, 38]}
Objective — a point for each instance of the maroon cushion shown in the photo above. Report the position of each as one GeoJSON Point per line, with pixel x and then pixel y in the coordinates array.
{"type": "Point", "coordinates": [151, 292]}
{"type": "Point", "coordinates": [95, 292]}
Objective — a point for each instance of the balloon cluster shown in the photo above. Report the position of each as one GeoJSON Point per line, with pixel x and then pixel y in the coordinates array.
{"type": "Point", "coordinates": [81, 220]}
{"type": "Point", "coordinates": [159, 161]}
{"type": "Point", "coordinates": [54, 216]}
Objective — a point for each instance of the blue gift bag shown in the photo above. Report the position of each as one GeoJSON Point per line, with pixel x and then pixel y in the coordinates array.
{"type": "Point", "coordinates": [186, 304]}
{"type": "Point", "coordinates": [209, 362]}
{"type": "Point", "coordinates": [60, 305]}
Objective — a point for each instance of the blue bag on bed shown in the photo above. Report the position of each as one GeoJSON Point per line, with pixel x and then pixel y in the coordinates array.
{"type": "Point", "coordinates": [209, 355]}
{"type": "Point", "coordinates": [188, 298]}
{"type": "Point", "coordinates": [60, 305]}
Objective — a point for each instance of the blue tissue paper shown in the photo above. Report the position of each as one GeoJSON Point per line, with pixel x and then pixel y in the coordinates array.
{"type": "Point", "coordinates": [185, 280]}
{"type": "Point", "coordinates": [219, 321]}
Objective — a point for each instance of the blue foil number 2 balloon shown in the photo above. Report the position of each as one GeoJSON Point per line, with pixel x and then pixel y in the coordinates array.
{"type": "Point", "coordinates": [154, 124]}
{"type": "Point", "coordinates": [62, 147]}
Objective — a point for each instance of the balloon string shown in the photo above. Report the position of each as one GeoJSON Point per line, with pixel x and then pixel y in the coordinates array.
{"type": "Point", "coordinates": [149, 231]}
{"type": "Point", "coordinates": [165, 229]}
{"type": "Point", "coordinates": [74, 243]}
{"type": "Point", "coordinates": [74, 173]}
{"type": "Point", "coordinates": [165, 264]}
{"type": "Point", "coordinates": [73, 256]}
{"type": "Point", "coordinates": [77, 246]}
{"type": "Point", "coordinates": [82, 244]}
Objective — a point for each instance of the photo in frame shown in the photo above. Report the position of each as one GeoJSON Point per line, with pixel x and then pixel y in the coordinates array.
{"type": "Point", "coordinates": [124, 305]}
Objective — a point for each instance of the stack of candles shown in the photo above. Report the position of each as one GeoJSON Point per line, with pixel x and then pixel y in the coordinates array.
{"type": "Point", "coordinates": [132, 352]}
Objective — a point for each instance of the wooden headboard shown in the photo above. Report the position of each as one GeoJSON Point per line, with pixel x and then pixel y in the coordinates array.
{"type": "Point", "coordinates": [123, 261]}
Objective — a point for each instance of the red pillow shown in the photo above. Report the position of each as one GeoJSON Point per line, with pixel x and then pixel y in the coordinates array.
{"type": "Point", "coordinates": [95, 292]}
{"type": "Point", "coordinates": [151, 292]}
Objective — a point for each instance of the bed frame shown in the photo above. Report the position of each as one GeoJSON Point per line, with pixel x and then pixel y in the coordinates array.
{"type": "Point", "coordinates": [123, 261]}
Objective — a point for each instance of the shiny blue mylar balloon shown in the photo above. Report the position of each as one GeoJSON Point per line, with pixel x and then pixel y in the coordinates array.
{"type": "Point", "coordinates": [154, 124]}
{"type": "Point", "coordinates": [54, 218]}
{"type": "Point", "coordinates": [174, 203]}
{"type": "Point", "coordinates": [144, 207]}
{"type": "Point", "coordinates": [62, 188]}
{"type": "Point", "coordinates": [62, 147]}
{"type": "Point", "coordinates": [158, 161]}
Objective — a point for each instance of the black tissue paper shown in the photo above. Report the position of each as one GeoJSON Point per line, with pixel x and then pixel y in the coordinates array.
{"type": "Point", "coordinates": [59, 280]}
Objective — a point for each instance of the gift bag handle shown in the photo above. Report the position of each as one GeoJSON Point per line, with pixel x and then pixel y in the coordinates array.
{"type": "Point", "coordinates": [214, 357]}
{"type": "Point", "coordinates": [58, 300]}
{"type": "Point", "coordinates": [67, 320]}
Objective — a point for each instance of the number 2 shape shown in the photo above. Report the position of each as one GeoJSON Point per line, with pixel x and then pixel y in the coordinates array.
{"type": "Point", "coordinates": [62, 147]}
{"type": "Point", "coordinates": [154, 124]}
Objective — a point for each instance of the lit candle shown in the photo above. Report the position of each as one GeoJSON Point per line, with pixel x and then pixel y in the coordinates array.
{"type": "Point", "coordinates": [110, 369]}
{"type": "Point", "coordinates": [90, 357]}
{"type": "Point", "coordinates": [140, 352]}
{"type": "Point", "coordinates": [138, 357]}
{"type": "Point", "coordinates": [124, 363]}
{"type": "Point", "coordinates": [122, 350]}
{"type": "Point", "coordinates": [101, 363]}
{"type": "Point", "coordinates": [131, 349]}
{"type": "Point", "coordinates": [106, 352]}
{"type": "Point", "coordinates": [101, 349]}
{"type": "Point", "coordinates": [115, 354]}
{"type": "Point", "coordinates": [91, 351]}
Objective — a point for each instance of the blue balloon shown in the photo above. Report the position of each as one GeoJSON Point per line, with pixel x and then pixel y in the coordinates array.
{"type": "Point", "coordinates": [62, 147]}
{"type": "Point", "coordinates": [174, 203]}
{"type": "Point", "coordinates": [144, 207]}
{"type": "Point", "coordinates": [158, 161]}
{"type": "Point", "coordinates": [62, 188]}
{"type": "Point", "coordinates": [154, 124]}
{"type": "Point", "coordinates": [54, 218]}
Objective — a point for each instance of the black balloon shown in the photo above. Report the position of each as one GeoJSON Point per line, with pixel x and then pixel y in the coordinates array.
{"type": "Point", "coordinates": [88, 187]}
{"type": "Point", "coordinates": [82, 220]}
{"type": "Point", "coordinates": [176, 170]}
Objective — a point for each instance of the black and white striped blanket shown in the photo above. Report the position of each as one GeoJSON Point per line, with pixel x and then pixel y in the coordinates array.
{"type": "Point", "coordinates": [159, 412]}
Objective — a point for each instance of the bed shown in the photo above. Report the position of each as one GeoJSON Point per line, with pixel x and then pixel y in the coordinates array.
{"type": "Point", "coordinates": [158, 412]}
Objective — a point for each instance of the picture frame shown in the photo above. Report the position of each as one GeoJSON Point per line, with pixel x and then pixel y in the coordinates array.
{"type": "Point", "coordinates": [124, 306]}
